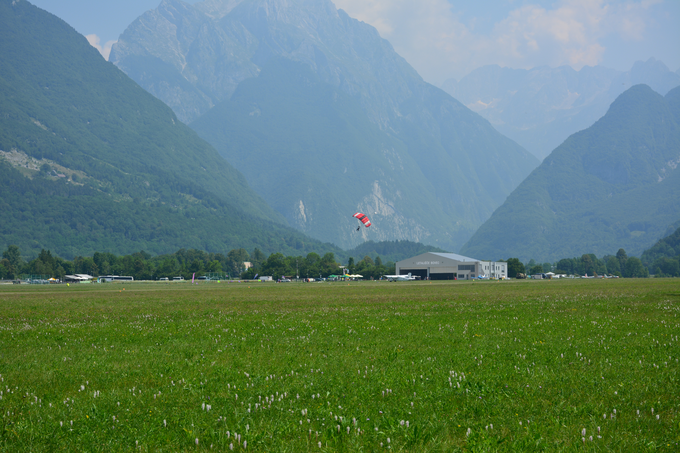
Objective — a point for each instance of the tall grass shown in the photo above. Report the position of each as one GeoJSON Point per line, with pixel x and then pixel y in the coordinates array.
{"type": "Point", "coordinates": [422, 367]}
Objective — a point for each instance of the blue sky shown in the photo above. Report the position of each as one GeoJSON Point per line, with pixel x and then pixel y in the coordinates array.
{"type": "Point", "coordinates": [449, 38]}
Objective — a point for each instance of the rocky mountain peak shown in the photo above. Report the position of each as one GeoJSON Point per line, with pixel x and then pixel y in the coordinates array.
{"type": "Point", "coordinates": [217, 9]}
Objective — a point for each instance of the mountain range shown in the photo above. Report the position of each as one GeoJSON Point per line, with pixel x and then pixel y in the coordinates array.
{"type": "Point", "coordinates": [324, 119]}
{"type": "Point", "coordinates": [541, 107]}
{"type": "Point", "coordinates": [614, 185]}
{"type": "Point", "coordinates": [300, 116]}
{"type": "Point", "coordinates": [89, 161]}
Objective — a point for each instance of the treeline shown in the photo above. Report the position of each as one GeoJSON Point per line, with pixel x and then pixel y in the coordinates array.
{"type": "Point", "coordinates": [186, 263]}
{"type": "Point", "coordinates": [620, 265]}
{"type": "Point", "coordinates": [315, 266]}
{"type": "Point", "coordinates": [661, 261]}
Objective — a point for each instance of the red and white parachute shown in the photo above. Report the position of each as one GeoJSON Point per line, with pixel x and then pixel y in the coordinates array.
{"type": "Point", "coordinates": [363, 218]}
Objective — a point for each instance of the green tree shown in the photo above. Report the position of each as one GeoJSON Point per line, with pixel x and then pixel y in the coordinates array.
{"type": "Point", "coordinates": [536, 269]}
{"type": "Point", "coordinates": [566, 266]}
{"type": "Point", "coordinates": [588, 264]}
{"type": "Point", "coordinates": [613, 266]}
{"type": "Point", "coordinates": [45, 170]}
{"type": "Point", "coordinates": [635, 269]}
{"type": "Point", "coordinates": [235, 260]}
{"type": "Point", "coordinates": [515, 267]}
{"type": "Point", "coordinates": [368, 260]}
{"type": "Point", "coordinates": [214, 266]}
{"type": "Point", "coordinates": [142, 269]}
{"type": "Point", "coordinates": [44, 264]}
{"type": "Point", "coordinates": [328, 265]}
{"type": "Point", "coordinates": [600, 265]}
{"type": "Point", "coordinates": [257, 257]}
{"type": "Point", "coordinates": [86, 266]}
{"type": "Point", "coordinates": [666, 267]}
{"type": "Point", "coordinates": [196, 267]}
{"type": "Point", "coordinates": [13, 257]}
{"type": "Point", "coordinates": [169, 268]}
{"type": "Point", "coordinates": [276, 266]}
{"type": "Point", "coordinates": [622, 257]}
{"type": "Point", "coordinates": [59, 272]}
{"type": "Point", "coordinates": [312, 264]}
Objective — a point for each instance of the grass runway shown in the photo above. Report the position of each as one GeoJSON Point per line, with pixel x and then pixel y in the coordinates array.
{"type": "Point", "coordinates": [578, 365]}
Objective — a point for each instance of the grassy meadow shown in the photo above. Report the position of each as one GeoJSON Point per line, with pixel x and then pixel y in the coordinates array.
{"type": "Point", "coordinates": [580, 365]}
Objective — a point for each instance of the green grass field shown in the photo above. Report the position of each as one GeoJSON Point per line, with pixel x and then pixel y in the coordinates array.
{"type": "Point", "coordinates": [575, 365]}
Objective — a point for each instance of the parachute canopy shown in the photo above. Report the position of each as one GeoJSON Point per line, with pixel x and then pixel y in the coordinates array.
{"type": "Point", "coordinates": [363, 219]}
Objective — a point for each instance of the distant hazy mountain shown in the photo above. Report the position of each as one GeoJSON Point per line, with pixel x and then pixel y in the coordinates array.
{"type": "Point", "coordinates": [89, 161]}
{"type": "Point", "coordinates": [324, 118]}
{"type": "Point", "coordinates": [541, 107]}
{"type": "Point", "coordinates": [614, 185]}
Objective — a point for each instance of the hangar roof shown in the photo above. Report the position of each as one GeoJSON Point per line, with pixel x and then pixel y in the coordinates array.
{"type": "Point", "coordinates": [438, 259]}
{"type": "Point", "coordinates": [453, 256]}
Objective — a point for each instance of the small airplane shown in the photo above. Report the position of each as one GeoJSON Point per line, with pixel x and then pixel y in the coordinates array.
{"type": "Point", "coordinates": [400, 278]}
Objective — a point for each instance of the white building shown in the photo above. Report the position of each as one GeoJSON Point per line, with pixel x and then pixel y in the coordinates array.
{"type": "Point", "coordinates": [447, 266]}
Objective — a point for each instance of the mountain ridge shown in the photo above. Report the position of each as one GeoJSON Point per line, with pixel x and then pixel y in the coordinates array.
{"type": "Point", "coordinates": [541, 107]}
{"type": "Point", "coordinates": [610, 186]}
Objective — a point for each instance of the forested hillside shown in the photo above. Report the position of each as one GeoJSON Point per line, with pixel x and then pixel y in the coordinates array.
{"type": "Point", "coordinates": [612, 185]}
{"type": "Point", "coordinates": [663, 259]}
{"type": "Point", "coordinates": [89, 161]}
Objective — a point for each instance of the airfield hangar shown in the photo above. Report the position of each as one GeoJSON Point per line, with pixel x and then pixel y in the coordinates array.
{"type": "Point", "coordinates": [449, 266]}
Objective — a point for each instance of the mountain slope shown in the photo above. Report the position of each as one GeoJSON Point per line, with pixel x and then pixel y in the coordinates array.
{"type": "Point", "coordinates": [541, 107]}
{"type": "Point", "coordinates": [432, 169]}
{"type": "Point", "coordinates": [613, 185]}
{"type": "Point", "coordinates": [290, 132]}
{"type": "Point", "coordinates": [92, 161]}
{"type": "Point", "coordinates": [664, 253]}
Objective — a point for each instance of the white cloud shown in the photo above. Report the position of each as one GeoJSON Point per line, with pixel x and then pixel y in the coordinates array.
{"type": "Point", "coordinates": [95, 42]}
{"type": "Point", "coordinates": [431, 36]}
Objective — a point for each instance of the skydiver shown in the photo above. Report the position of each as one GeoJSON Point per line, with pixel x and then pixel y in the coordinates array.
{"type": "Point", "coordinates": [359, 227]}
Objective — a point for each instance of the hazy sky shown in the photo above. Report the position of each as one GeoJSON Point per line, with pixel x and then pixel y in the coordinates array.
{"type": "Point", "coordinates": [449, 38]}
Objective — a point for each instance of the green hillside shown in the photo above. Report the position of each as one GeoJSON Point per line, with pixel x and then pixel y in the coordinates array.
{"type": "Point", "coordinates": [663, 259]}
{"type": "Point", "coordinates": [90, 161]}
{"type": "Point", "coordinates": [611, 186]}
